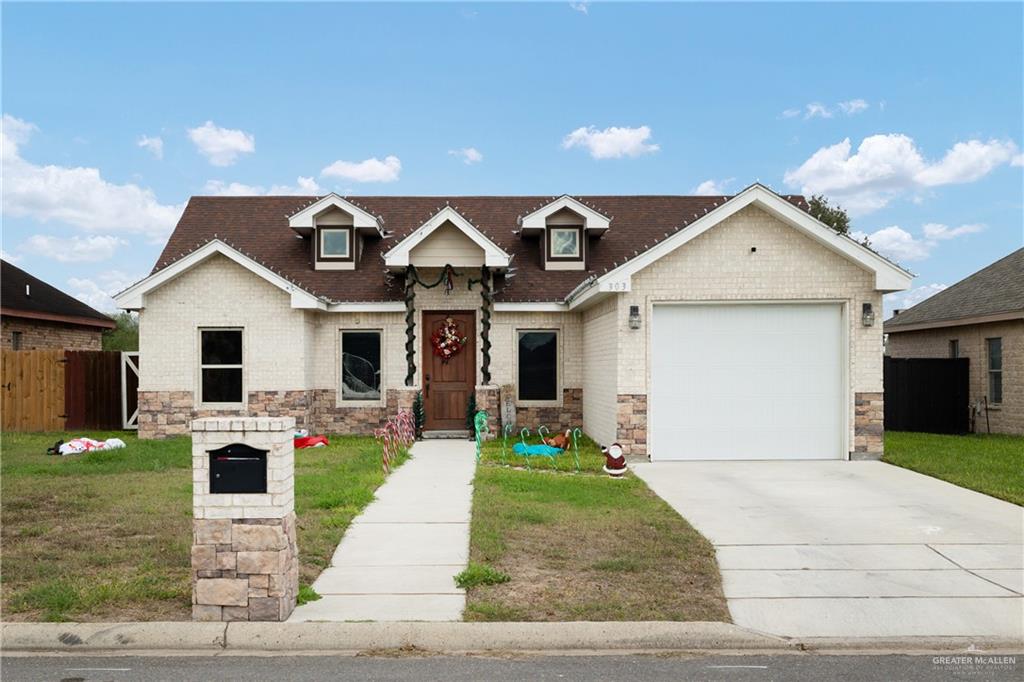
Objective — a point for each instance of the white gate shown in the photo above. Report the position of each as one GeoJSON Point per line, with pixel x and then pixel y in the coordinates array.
{"type": "Point", "coordinates": [130, 389]}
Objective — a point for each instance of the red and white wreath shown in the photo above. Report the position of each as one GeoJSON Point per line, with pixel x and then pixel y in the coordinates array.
{"type": "Point", "coordinates": [446, 340]}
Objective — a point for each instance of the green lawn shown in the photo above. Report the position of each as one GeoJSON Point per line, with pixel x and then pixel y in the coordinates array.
{"type": "Point", "coordinates": [106, 535]}
{"type": "Point", "coordinates": [991, 464]}
{"type": "Point", "coordinates": [550, 546]}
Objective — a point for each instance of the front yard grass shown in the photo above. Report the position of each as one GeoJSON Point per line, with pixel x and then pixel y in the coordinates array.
{"type": "Point", "coordinates": [107, 535]}
{"type": "Point", "coordinates": [584, 547]}
{"type": "Point", "coordinates": [988, 463]}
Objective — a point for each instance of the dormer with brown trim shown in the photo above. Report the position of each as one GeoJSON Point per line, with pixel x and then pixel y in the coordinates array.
{"type": "Point", "coordinates": [565, 227]}
{"type": "Point", "coordinates": [336, 229]}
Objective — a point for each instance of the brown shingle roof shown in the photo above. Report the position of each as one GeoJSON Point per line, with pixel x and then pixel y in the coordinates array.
{"type": "Point", "coordinates": [996, 289]}
{"type": "Point", "coordinates": [43, 300]}
{"type": "Point", "coordinates": [258, 227]}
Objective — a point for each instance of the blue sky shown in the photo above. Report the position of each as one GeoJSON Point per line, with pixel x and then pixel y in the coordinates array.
{"type": "Point", "coordinates": [114, 114]}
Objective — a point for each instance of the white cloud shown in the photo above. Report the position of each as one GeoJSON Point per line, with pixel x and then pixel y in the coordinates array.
{"type": "Point", "coordinates": [712, 187]}
{"type": "Point", "coordinates": [97, 291]}
{"type": "Point", "coordinates": [16, 132]}
{"type": "Point", "coordinates": [303, 186]}
{"type": "Point", "coordinates": [1017, 160]}
{"type": "Point", "coordinates": [817, 110]}
{"type": "Point", "coordinates": [9, 257]}
{"type": "Point", "coordinates": [221, 146]}
{"type": "Point", "coordinates": [155, 145]}
{"type": "Point", "coordinates": [469, 155]}
{"type": "Point", "coordinates": [581, 7]}
{"type": "Point", "coordinates": [886, 166]}
{"type": "Point", "coordinates": [75, 249]}
{"type": "Point", "coordinates": [901, 246]}
{"type": "Point", "coordinates": [370, 170]}
{"type": "Point", "coordinates": [611, 143]}
{"type": "Point", "coordinates": [77, 196]}
{"type": "Point", "coordinates": [940, 232]}
{"type": "Point", "coordinates": [852, 107]}
{"type": "Point", "coordinates": [896, 243]}
{"type": "Point", "coordinates": [967, 162]}
{"type": "Point", "coordinates": [901, 300]}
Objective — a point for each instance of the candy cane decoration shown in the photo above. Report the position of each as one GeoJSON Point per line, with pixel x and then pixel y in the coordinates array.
{"type": "Point", "coordinates": [383, 436]}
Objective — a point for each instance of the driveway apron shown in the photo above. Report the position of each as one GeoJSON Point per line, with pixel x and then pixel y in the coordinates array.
{"type": "Point", "coordinates": [398, 559]}
{"type": "Point", "coordinates": [853, 549]}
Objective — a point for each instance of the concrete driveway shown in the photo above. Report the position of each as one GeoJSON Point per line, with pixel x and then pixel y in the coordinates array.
{"type": "Point", "coordinates": [853, 549]}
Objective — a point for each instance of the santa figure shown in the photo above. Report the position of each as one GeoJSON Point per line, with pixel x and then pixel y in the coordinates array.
{"type": "Point", "coordinates": [614, 460]}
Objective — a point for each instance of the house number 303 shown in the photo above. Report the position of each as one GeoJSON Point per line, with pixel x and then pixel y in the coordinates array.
{"type": "Point", "coordinates": [616, 286]}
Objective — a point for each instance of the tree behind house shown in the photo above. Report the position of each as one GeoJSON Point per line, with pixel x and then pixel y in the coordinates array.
{"type": "Point", "coordinates": [833, 216]}
{"type": "Point", "coordinates": [125, 336]}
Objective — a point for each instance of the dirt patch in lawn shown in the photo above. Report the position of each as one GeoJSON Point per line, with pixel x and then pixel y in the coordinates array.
{"type": "Point", "coordinates": [585, 547]}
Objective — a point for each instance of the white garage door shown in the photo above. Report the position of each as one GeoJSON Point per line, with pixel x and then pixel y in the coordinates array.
{"type": "Point", "coordinates": [746, 381]}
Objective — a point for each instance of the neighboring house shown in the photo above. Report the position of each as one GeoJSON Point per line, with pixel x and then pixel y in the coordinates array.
{"type": "Point", "coordinates": [980, 318]}
{"type": "Point", "coordinates": [35, 315]}
{"type": "Point", "coordinates": [683, 327]}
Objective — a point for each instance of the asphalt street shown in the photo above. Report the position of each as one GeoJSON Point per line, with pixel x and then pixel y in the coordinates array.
{"type": "Point", "coordinates": [850, 668]}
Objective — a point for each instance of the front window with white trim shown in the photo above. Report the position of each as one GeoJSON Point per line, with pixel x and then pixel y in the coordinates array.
{"type": "Point", "coordinates": [220, 366]}
{"type": "Point", "coordinates": [335, 242]}
{"type": "Point", "coordinates": [565, 242]}
{"type": "Point", "coordinates": [360, 365]}
{"type": "Point", "coordinates": [538, 365]}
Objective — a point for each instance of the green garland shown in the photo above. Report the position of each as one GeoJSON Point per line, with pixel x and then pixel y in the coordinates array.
{"type": "Point", "coordinates": [448, 275]}
{"type": "Point", "coordinates": [485, 323]}
{"type": "Point", "coordinates": [410, 325]}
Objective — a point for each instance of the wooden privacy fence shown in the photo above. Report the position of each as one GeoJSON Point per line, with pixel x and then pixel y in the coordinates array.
{"type": "Point", "coordinates": [59, 390]}
{"type": "Point", "coordinates": [927, 394]}
{"type": "Point", "coordinates": [33, 390]}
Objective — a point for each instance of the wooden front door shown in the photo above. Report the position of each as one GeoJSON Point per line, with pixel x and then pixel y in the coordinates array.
{"type": "Point", "coordinates": [447, 385]}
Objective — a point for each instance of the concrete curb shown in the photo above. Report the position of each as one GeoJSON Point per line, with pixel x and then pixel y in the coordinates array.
{"type": "Point", "coordinates": [243, 637]}
{"type": "Point", "coordinates": [112, 636]}
{"type": "Point", "coordinates": [497, 636]}
{"type": "Point", "coordinates": [979, 644]}
{"type": "Point", "coordinates": [313, 636]}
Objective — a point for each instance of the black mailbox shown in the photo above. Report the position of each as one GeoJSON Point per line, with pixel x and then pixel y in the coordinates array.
{"type": "Point", "coordinates": [238, 468]}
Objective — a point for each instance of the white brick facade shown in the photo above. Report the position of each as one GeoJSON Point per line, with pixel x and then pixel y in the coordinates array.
{"type": "Point", "coordinates": [219, 293]}
{"type": "Point", "coordinates": [600, 357]}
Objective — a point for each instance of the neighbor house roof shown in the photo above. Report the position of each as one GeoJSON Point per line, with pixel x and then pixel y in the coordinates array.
{"type": "Point", "coordinates": [258, 227]}
{"type": "Point", "coordinates": [993, 293]}
{"type": "Point", "coordinates": [22, 295]}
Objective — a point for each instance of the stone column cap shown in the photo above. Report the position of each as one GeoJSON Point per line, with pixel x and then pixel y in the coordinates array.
{"type": "Point", "coordinates": [243, 424]}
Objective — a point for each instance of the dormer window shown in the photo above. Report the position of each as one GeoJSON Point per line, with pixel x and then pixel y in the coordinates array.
{"type": "Point", "coordinates": [335, 244]}
{"type": "Point", "coordinates": [565, 243]}
{"type": "Point", "coordinates": [566, 226]}
{"type": "Point", "coordinates": [336, 229]}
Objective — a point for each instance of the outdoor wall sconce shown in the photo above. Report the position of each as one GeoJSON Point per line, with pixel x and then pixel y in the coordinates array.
{"type": "Point", "coordinates": [867, 315]}
{"type": "Point", "coordinates": [634, 317]}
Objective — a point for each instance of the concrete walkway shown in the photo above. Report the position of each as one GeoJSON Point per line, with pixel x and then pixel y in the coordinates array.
{"type": "Point", "coordinates": [398, 558]}
{"type": "Point", "coordinates": [853, 549]}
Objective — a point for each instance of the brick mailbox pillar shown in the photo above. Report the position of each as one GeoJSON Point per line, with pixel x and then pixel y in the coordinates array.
{"type": "Point", "coordinates": [244, 554]}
